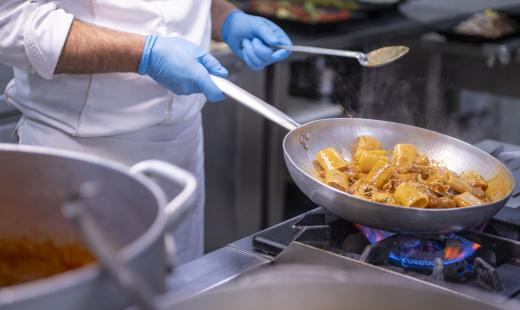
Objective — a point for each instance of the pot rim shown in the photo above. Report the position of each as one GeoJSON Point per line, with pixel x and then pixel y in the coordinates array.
{"type": "Point", "coordinates": [64, 280]}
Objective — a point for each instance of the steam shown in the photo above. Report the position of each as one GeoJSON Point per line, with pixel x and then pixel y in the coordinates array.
{"type": "Point", "coordinates": [390, 93]}
{"type": "Point", "coordinates": [382, 94]}
{"type": "Point", "coordinates": [397, 93]}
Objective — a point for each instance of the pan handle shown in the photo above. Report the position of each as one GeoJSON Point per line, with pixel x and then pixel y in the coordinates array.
{"type": "Point", "coordinates": [254, 103]}
{"type": "Point", "coordinates": [176, 208]}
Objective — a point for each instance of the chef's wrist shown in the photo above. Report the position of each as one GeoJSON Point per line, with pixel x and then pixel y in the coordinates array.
{"type": "Point", "coordinates": [146, 54]}
{"type": "Point", "coordinates": [220, 10]}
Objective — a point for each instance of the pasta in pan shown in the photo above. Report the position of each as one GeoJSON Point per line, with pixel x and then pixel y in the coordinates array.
{"type": "Point", "coordinates": [401, 177]}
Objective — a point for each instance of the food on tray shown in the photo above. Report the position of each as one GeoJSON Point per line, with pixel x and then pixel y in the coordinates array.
{"type": "Point", "coordinates": [23, 259]}
{"type": "Point", "coordinates": [488, 24]}
{"type": "Point", "coordinates": [308, 11]}
{"type": "Point", "coordinates": [403, 177]}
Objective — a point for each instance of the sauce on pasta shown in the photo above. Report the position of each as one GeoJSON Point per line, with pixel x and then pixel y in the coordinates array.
{"type": "Point", "coordinates": [402, 177]}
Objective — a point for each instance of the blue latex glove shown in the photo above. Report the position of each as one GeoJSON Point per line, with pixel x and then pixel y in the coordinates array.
{"type": "Point", "coordinates": [181, 66]}
{"type": "Point", "coordinates": [251, 37]}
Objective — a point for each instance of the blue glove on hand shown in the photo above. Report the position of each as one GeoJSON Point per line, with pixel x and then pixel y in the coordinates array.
{"type": "Point", "coordinates": [251, 38]}
{"type": "Point", "coordinates": [181, 66]}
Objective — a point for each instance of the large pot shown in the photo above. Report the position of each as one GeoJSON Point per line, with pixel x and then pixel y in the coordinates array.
{"type": "Point", "coordinates": [129, 208]}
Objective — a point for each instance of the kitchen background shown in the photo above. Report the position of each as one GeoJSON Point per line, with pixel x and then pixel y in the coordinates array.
{"type": "Point", "coordinates": [470, 90]}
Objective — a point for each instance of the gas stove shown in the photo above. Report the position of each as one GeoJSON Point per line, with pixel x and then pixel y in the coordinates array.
{"type": "Point", "coordinates": [481, 262]}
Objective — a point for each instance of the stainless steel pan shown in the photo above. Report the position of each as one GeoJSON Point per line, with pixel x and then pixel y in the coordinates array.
{"type": "Point", "coordinates": [302, 143]}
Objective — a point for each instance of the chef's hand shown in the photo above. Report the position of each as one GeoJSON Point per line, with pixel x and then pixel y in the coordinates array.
{"type": "Point", "coordinates": [181, 66]}
{"type": "Point", "coordinates": [252, 39]}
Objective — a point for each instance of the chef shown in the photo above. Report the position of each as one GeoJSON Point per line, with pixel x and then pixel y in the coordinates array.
{"type": "Point", "coordinates": [126, 79]}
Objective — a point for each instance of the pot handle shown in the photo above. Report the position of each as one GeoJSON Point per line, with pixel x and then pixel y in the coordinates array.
{"type": "Point", "coordinates": [176, 208]}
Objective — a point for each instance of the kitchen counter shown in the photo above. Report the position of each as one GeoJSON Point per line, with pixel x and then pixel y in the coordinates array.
{"type": "Point", "coordinates": [218, 267]}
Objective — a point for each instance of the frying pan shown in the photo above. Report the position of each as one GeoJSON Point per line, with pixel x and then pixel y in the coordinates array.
{"type": "Point", "coordinates": [302, 143]}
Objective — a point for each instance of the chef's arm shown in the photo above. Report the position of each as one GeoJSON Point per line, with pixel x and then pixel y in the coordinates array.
{"type": "Point", "coordinates": [219, 11]}
{"type": "Point", "coordinates": [94, 49]}
{"type": "Point", "coordinates": [32, 34]}
{"type": "Point", "coordinates": [175, 63]}
{"type": "Point", "coordinates": [41, 37]}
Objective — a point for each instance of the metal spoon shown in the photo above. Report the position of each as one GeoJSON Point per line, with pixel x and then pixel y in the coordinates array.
{"type": "Point", "coordinates": [376, 58]}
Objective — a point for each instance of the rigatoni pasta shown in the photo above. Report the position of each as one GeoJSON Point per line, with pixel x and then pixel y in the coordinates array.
{"type": "Point", "coordinates": [329, 158]}
{"type": "Point", "coordinates": [410, 195]}
{"type": "Point", "coordinates": [401, 177]}
{"type": "Point", "coordinates": [336, 179]}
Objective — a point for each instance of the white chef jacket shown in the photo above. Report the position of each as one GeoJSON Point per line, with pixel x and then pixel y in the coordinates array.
{"type": "Point", "coordinates": [32, 34]}
{"type": "Point", "coordinates": [119, 116]}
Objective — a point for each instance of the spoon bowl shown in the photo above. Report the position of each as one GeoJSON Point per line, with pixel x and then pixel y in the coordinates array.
{"type": "Point", "coordinates": [376, 58]}
{"type": "Point", "coordinates": [383, 56]}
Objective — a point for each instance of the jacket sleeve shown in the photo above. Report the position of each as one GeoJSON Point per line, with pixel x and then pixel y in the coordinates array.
{"type": "Point", "coordinates": [32, 34]}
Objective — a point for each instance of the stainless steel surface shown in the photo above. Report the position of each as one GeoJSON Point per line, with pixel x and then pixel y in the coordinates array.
{"type": "Point", "coordinates": [360, 56]}
{"type": "Point", "coordinates": [339, 133]}
{"type": "Point", "coordinates": [35, 183]}
{"type": "Point", "coordinates": [318, 287]}
{"type": "Point", "coordinates": [210, 271]}
{"type": "Point", "coordinates": [254, 103]}
{"type": "Point", "coordinates": [376, 58]}
{"type": "Point", "coordinates": [301, 145]}
{"type": "Point", "coordinates": [215, 269]}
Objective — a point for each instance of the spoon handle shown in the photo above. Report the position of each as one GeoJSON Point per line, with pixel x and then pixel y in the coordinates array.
{"type": "Point", "coordinates": [322, 51]}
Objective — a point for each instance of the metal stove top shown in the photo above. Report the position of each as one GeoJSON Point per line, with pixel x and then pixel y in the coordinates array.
{"type": "Point", "coordinates": [493, 268]}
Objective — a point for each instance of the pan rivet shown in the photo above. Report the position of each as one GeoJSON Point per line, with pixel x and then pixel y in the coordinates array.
{"type": "Point", "coordinates": [307, 135]}
{"type": "Point", "coordinates": [302, 139]}
{"type": "Point", "coordinates": [306, 145]}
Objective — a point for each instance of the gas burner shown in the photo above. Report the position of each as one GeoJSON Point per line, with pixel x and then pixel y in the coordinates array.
{"type": "Point", "coordinates": [422, 253]}
{"type": "Point", "coordinates": [487, 258]}
{"type": "Point", "coordinates": [411, 252]}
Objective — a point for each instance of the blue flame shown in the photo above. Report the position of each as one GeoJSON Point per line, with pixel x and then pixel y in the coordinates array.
{"type": "Point", "coordinates": [421, 253]}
